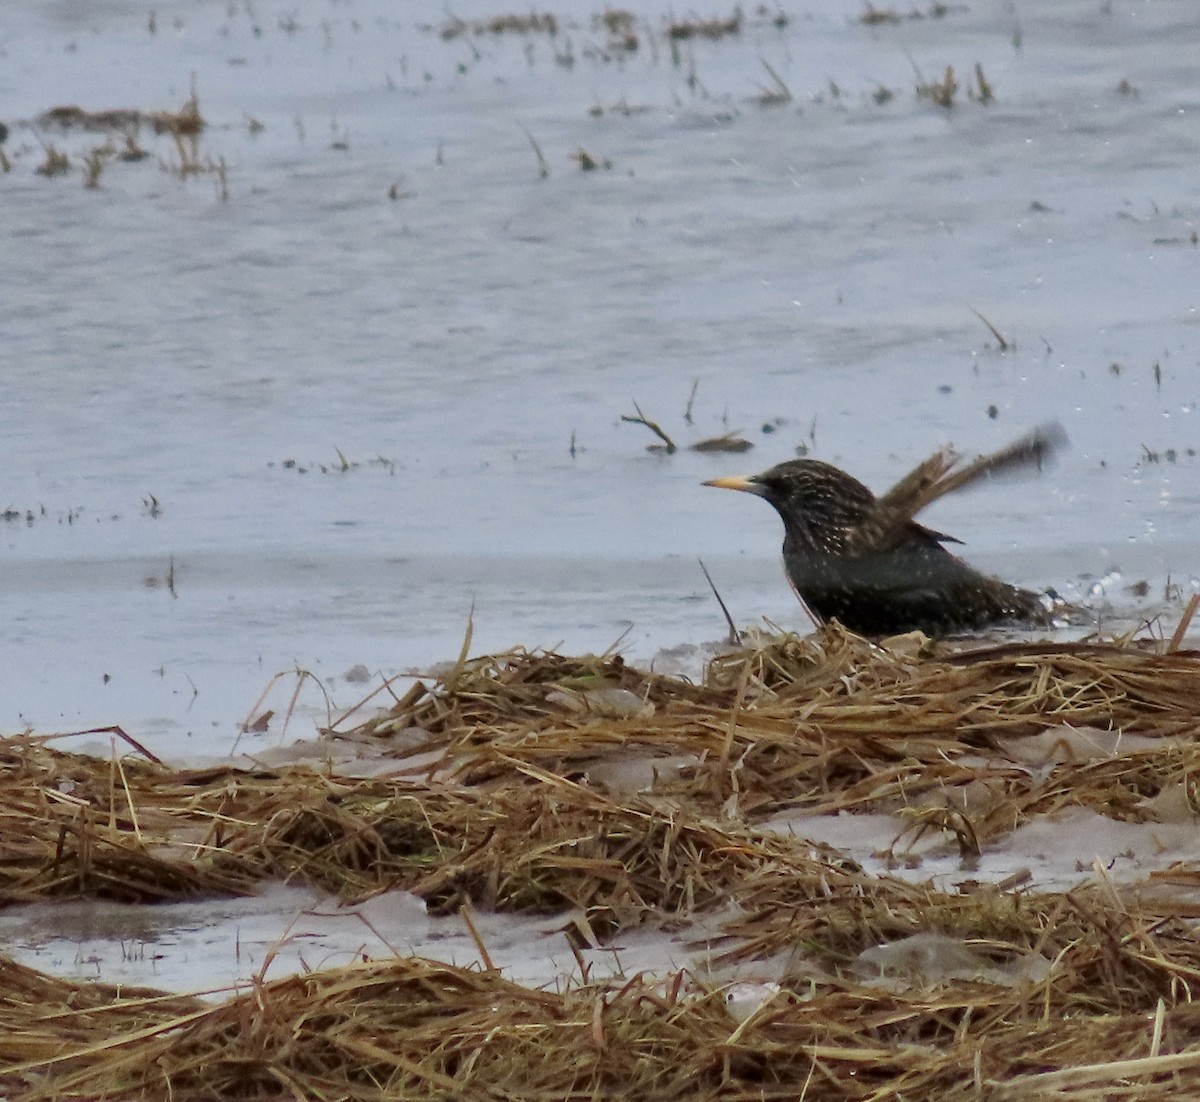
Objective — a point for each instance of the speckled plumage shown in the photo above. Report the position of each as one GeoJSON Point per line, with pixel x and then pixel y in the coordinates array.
{"type": "Point", "coordinates": [865, 561]}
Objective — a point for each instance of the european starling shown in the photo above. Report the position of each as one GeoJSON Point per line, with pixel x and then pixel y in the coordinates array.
{"type": "Point", "coordinates": [864, 559]}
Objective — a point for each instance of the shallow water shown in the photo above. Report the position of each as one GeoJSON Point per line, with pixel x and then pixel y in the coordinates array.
{"type": "Point", "coordinates": [811, 266]}
{"type": "Point", "coordinates": [215, 946]}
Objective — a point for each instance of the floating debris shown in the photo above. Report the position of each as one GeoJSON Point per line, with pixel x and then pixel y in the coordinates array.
{"type": "Point", "coordinates": [712, 29]}
{"type": "Point", "coordinates": [76, 118]}
{"type": "Point", "coordinates": [534, 23]}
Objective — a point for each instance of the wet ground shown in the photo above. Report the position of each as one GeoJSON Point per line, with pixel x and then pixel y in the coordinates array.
{"type": "Point", "coordinates": [317, 422]}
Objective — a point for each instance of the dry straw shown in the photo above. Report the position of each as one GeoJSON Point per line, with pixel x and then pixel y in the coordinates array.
{"type": "Point", "coordinates": [504, 796]}
{"type": "Point", "coordinates": [413, 1029]}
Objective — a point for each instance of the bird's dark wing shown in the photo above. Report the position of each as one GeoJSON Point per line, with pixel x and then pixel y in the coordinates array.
{"type": "Point", "coordinates": [1034, 449]}
{"type": "Point", "coordinates": [942, 473]}
{"type": "Point", "coordinates": [920, 486]}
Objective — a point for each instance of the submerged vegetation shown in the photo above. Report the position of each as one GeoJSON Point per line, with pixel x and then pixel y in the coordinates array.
{"type": "Point", "coordinates": [618, 797]}
{"type": "Point", "coordinates": [533, 23]}
{"type": "Point", "coordinates": [184, 127]}
{"type": "Point", "coordinates": [732, 441]}
{"type": "Point", "coordinates": [612, 34]}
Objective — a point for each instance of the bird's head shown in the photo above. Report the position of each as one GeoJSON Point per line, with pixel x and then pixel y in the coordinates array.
{"type": "Point", "coordinates": [819, 503]}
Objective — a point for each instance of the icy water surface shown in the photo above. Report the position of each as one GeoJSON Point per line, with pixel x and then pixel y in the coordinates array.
{"type": "Point", "coordinates": [810, 263]}
{"type": "Point", "coordinates": [315, 423]}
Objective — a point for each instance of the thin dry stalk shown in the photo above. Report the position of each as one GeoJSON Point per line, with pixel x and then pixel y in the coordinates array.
{"type": "Point", "coordinates": [668, 445]}
{"type": "Point", "coordinates": [1001, 340]}
{"type": "Point", "coordinates": [1185, 622]}
{"type": "Point", "coordinates": [543, 164]}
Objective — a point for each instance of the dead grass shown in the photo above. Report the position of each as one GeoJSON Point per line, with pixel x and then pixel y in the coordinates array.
{"type": "Point", "coordinates": [130, 831]}
{"type": "Point", "coordinates": [503, 798]}
{"type": "Point", "coordinates": [533, 23]}
{"type": "Point", "coordinates": [184, 126]}
{"type": "Point", "coordinates": [56, 163]}
{"type": "Point", "coordinates": [186, 122]}
{"type": "Point", "coordinates": [72, 117]}
{"type": "Point", "coordinates": [503, 792]}
{"type": "Point", "coordinates": [680, 30]}
{"type": "Point", "coordinates": [941, 91]}
{"type": "Point", "coordinates": [824, 724]}
{"type": "Point", "coordinates": [415, 1029]}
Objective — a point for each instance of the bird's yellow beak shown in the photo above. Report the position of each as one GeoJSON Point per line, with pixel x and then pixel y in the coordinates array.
{"type": "Point", "coordinates": [746, 485]}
